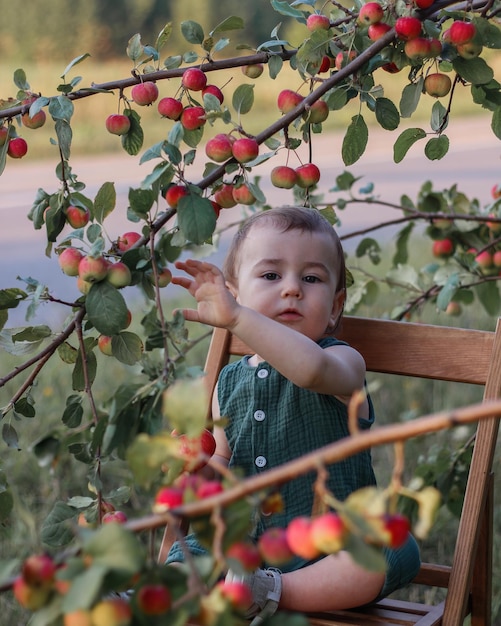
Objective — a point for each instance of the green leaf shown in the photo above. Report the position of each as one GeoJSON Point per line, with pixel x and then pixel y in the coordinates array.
{"type": "Point", "coordinates": [79, 379]}
{"type": "Point", "coordinates": [437, 147]}
{"type": "Point", "coordinates": [196, 217]}
{"type": "Point", "coordinates": [243, 98]}
{"type": "Point", "coordinates": [275, 64]}
{"type": "Point", "coordinates": [141, 201]}
{"type": "Point", "coordinates": [20, 80]}
{"type": "Point", "coordinates": [387, 114]}
{"type": "Point", "coordinates": [474, 71]}
{"type": "Point", "coordinates": [488, 294]}
{"type": "Point", "coordinates": [355, 140]}
{"type": "Point", "coordinates": [24, 406]}
{"type": "Point", "coordinates": [10, 298]}
{"type": "Point", "coordinates": [73, 412]}
{"type": "Point", "coordinates": [163, 36]}
{"type": "Point", "coordinates": [411, 94]}
{"type": "Point", "coordinates": [84, 588]}
{"type": "Point", "coordinates": [369, 247]}
{"type": "Point", "coordinates": [135, 48]}
{"type": "Point", "coordinates": [57, 528]}
{"type": "Point", "coordinates": [405, 141]}
{"type": "Point", "coordinates": [9, 435]}
{"type": "Point", "coordinates": [496, 122]}
{"type": "Point", "coordinates": [106, 308]}
{"type": "Point", "coordinates": [230, 23]}
{"type": "Point", "coordinates": [448, 291]}
{"type": "Point", "coordinates": [401, 255]}
{"type": "Point", "coordinates": [115, 548]}
{"type": "Point", "coordinates": [127, 347]}
{"type": "Point", "coordinates": [6, 503]}
{"type": "Point", "coordinates": [132, 142]}
{"type": "Point", "coordinates": [284, 8]}
{"type": "Point", "coordinates": [336, 99]}
{"type": "Point", "coordinates": [75, 61]}
{"type": "Point", "coordinates": [61, 108]}
{"type": "Point", "coordinates": [192, 32]}
{"type": "Point", "coordinates": [369, 557]}
{"type": "Point", "coordinates": [105, 201]}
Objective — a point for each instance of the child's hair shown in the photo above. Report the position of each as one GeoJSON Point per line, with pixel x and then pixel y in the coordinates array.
{"type": "Point", "coordinates": [286, 218]}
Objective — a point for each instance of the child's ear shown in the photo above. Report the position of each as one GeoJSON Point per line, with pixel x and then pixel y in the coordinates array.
{"type": "Point", "coordinates": [232, 288]}
{"type": "Point", "coordinates": [337, 308]}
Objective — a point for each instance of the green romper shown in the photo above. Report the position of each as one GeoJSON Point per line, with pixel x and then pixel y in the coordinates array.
{"type": "Point", "coordinates": [272, 421]}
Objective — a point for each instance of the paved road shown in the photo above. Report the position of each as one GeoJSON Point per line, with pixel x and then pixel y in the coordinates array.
{"type": "Point", "coordinates": [473, 163]}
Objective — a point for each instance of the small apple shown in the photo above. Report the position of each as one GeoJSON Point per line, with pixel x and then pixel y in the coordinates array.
{"type": "Point", "coordinates": [80, 617]}
{"type": "Point", "coordinates": [307, 175]}
{"type": "Point", "coordinates": [283, 177]}
{"type": "Point", "coordinates": [238, 594]}
{"type": "Point", "coordinates": [167, 498]}
{"type": "Point", "coordinates": [215, 91]}
{"type": "Point", "coordinates": [484, 259]}
{"type": "Point", "coordinates": [407, 27]}
{"type": "Point", "coordinates": [118, 124]}
{"type": "Point", "coordinates": [164, 277]}
{"type": "Point", "coordinates": [398, 527]}
{"type": "Point", "coordinates": [243, 195]}
{"type": "Point", "coordinates": [76, 216]}
{"type": "Point", "coordinates": [174, 193]}
{"type": "Point", "coordinates": [437, 84]}
{"type": "Point", "coordinates": [224, 196]}
{"type": "Point", "coordinates": [377, 30]}
{"type": "Point", "coordinates": [273, 546]}
{"type": "Point", "coordinates": [93, 269]}
{"type": "Point", "coordinates": [299, 538]}
{"type": "Point", "coordinates": [69, 260]}
{"type": "Point", "coordinates": [494, 227]}
{"type": "Point", "coordinates": [417, 49]}
{"type": "Point", "coordinates": [443, 248]}
{"type": "Point", "coordinates": [461, 32]}
{"type": "Point", "coordinates": [17, 148]}
{"type": "Point", "coordinates": [195, 451]}
{"type": "Point", "coordinates": [145, 93]}
{"type": "Point", "coordinates": [343, 58]}
{"type": "Point", "coordinates": [194, 79]}
{"type": "Point", "coordinates": [114, 516]}
{"type": "Point", "coordinates": [317, 21]}
{"type": "Point", "coordinates": [119, 275]}
{"type": "Point", "coordinates": [4, 133]}
{"type": "Point", "coordinates": [39, 570]}
{"type": "Point", "coordinates": [391, 68]}
{"type": "Point", "coordinates": [317, 113]}
{"type": "Point", "coordinates": [35, 121]}
{"type": "Point", "coordinates": [469, 49]}
{"type": "Point", "coordinates": [31, 597]}
{"type": "Point", "coordinates": [193, 117]}
{"type": "Point", "coordinates": [104, 344]}
{"type": "Point", "coordinates": [217, 207]}
{"type": "Point", "coordinates": [370, 13]}
{"type": "Point", "coordinates": [325, 64]}
{"type": "Point", "coordinates": [112, 612]}
{"type": "Point", "coordinates": [170, 108]}
{"type": "Point", "coordinates": [83, 286]}
{"type": "Point", "coordinates": [328, 532]}
{"type": "Point", "coordinates": [423, 4]}
{"type": "Point", "coordinates": [435, 48]}
{"type": "Point", "coordinates": [209, 488]}
{"type": "Point", "coordinates": [288, 100]}
{"type": "Point", "coordinates": [245, 149]}
{"type": "Point", "coordinates": [153, 599]}
{"type": "Point", "coordinates": [496, 258]}
{"type": "Point", "coordinates": [496, 192]}
{"type": "Point", "coordinates": [453, 309]}
{"type": "Point", "coordinates": [253, 71]}
{"type": "Point", "coordinates": [246, 554]}
{"type": "Point", "coordinates": [127, 240]}
{"type": "Point", "coordinates": [218, 148]}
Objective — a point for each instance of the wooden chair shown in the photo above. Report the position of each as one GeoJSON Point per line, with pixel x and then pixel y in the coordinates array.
{"type": "Point", "coordinates": [432, 352]}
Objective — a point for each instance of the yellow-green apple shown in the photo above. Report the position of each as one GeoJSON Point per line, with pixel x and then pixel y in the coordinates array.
{"type": "Point", "coordinates": [145, 93]}
{"type": "Point", "coordinates": [435, 47]}
{"type": "Point", "coordinates": [469, 49]}
{"type": "Point", "coordinates": [69, 260]}
{"type": "Point", "coordinates": [215, 91]}
{"type": "Point", "coordinates": [274, 547]}
{"type": "Point", "coordinates": [317, 21]}
{"type": "Point", "coordinates": [127, 240]}
{"type": "Point", "coordinates": [118, 124]}
{"type": "Point", "coordinates": [317, 113]}
{"type": "Point", "coordinates": [119, 275]}
{"type": "Point", "coordinates": [407, 27]}
{"type": "Point", "coordinates": [283, 176]}
{"type": "Point", "coordinates": [370, 13]}
{"type": "Point", "coordinates": [246, 554]}
{"type": "Point", "coordinates": [193, 117]}
{"type": "Point", "coordinates": [328, 532]}
{"type": "Point", "coordinates": [153, 599]}
{"type": "Point", "coordinates": [31, 597]}
{"type": "Point", "coordinates": [494, 227]}
{"type": "Point", "coordinates": [218, 148]}
{"type": "Point", "coordinates": [253, 71]}
{"type": "Point", "coordinates": [461, 32]}
{"type": "Point", "coordinates": [167, 498]}
{"type": "Point", "coordinates": [417, 49]}
{"type": "Point", "coordinates": [93, 269]}
{"type": "Point", "coordinates": [194, 79]}
{"type": "Point", "coordinates": [164, 277]}
{"type": "Point", "coordinates": [104, 344]}
{"type": "Point", "coordinates": [17, 148]}
{"type": "Point", "coordinates": [298, 535]}
{"type": "Point", "coordinates": [443, 248]}
{"type": "Point", "coordinates": [224, 196]}
{"type": "Point", "coordinates": [35, 121]}
{"type": "Point", "coordinates": [307, 175]}
{"type": "Point", "coordinates": [112, 612]}
{"type": "Point", "coordinates": [243, 195]}
{"type": "Point", "coordinates": [377, 30]}
{"type": "Point", "coordinates": [83, 286]}
{"type": "Point", "coordinates": [170, 108]}
{"type": "Point", "coordinates": [288, 100]}
{"type": "Point", "coordinates": [245, 149]}
{"type": "Point", "coordinates": [437, 84]}
{"type": "Point", "coordinates": [76, 216]}
{"type": "Point", "coordinates": [174, 193]}
{"type": "Point", "coordinates": [453, 309]}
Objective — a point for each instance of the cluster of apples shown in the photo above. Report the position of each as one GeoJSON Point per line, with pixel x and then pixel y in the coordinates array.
{"type": "Point", "coordinates": [17, 147]}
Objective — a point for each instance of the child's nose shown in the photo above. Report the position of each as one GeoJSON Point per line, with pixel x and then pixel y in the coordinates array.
{"type": "Point", "coordinates": [291, 287]}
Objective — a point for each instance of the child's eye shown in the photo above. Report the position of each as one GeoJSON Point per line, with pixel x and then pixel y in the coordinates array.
{"type": "Point", "coordinates": [311, 279]}
{"type": "Point", "coordinates": [270, 276]}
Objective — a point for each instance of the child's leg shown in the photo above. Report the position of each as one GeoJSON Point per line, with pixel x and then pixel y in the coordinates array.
{"type": "Point", "coordinates": [334, 582]}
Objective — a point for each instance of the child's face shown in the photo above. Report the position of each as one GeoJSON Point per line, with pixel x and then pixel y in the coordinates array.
{"type": "Point", "coordinates": [290, 277]}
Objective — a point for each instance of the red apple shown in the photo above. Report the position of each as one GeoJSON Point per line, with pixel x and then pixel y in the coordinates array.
{"type": "Point", "coordinates": [69, 260]}
{"type": "Point", "coordinates": [377, 30]}
{"type": "Point", "coordinates": [299, 538]}
{"type": "Point", "coordinates": [77, 217]}
{"type": "Point", "coordinates": [114, 516]}
{"type": "Point", "coordinates": [218, 148]}
{"type": "Point", "coordinates": [423, 4]}
{"type": "Point", "coordinates": [288, 100]}
{"type": "Point", "coordinates": [245, 149]}
{"type": "Point", "coordinates": [243, 195]}
{"type": "Point", "coordinates": [496, 192]}
{"type": "Point", "coordinates": [118, 124]}
{"type": "Point", "coordinates": [39, 569]}
{"type": "Point", "coordinates": [112, 612]}
{"type": "Point", "coordinates": [435, 48]}
{"type": "Point", "coordinates": [443, 248]}
{"type": "Point", "coordinates": [325, 64]}
{"type": "Point", "coordinates": [307, 175]}
{"type": "Point", "coordinates": [328, 532]}
{"type": "Point", "coordinates": [370, 13]}
{"type": "Point", "coordinates": [193, 117]}
{"type": "Point", "coordinates": [496, 258]}
{"type": "Point", "coordinates": [246, 553]}
{"type": "Point", "coordinates": [217, 207]}
{"type": "Point", "coordinates": [196, 451]}
{"type": "Point", "coordinates": [343, 58]}
{"type": "Point", "coordinates": [145, 93]}
{"type": "Point", "coordinates": [237, 593]}
{"type": "Point", "coordinates": [194, 79]}
{"type": "Point", "coordinates": [418, 49]}
{"type": "Point", "coordinates": [215, 91]}
{"type": "Point", "coordinates": [317, 21]}
{"type": "Point", "coordinates": [127, 240]}
{"type": "Point", "coordinates": [461, 32]}
{"type": "Point", "coordinates": [391, 68]}
{"type": "Point", "coordinates": [93, 269]}
{"type": "Point", "coordinates": [209, 488]}
{"type": "Point", "coordinates": [17, 148]}
{"type": "Point", "coordinates": [274, 547]}
{"type": "Point", "coordinates": [37, 121]}
{"type": "Point", "coordinates": [224, 196]}
{"type": "Point", "coordinates": [119, 275]}
{"type": "Point", "coordinates": [437, 84]}
{"type": "Point", "coordinates": [153, 599]}
{"type": "Point", "coordinates": [167, 498]}
{"type": "Point", "coordinates": [170, 108]}
{"type": "Point", "coordinates": [104, 344]}
{"type": "Point", "coordinates": [407, 27]}
{"type": "Point", "coordinates": [174, 193]}
{"type": "Point", "coordinates": [398, 527]}
{"type": "Point", "coordinates": [253, 71]}
{"type": "Point", "coordinates": [4, 133]}
{"type": "Point", "coordinates": [484, 259]}
{"type": "Point", "coordinates": [79, 617]}
{"type": "Point", "coordinates": [283, 176]}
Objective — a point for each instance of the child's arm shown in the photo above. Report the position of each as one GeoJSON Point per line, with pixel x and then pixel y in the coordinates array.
{"type": "Point", "coordinates": [339, 370]}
